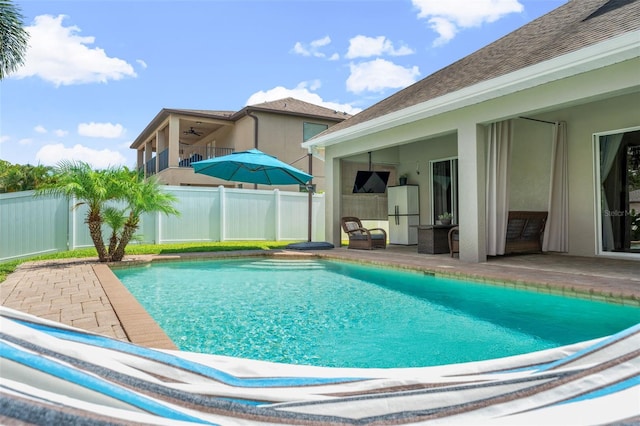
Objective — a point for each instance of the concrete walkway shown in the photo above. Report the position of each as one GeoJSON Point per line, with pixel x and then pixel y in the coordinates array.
{"type": "Point", "coordinates": [86, 294]}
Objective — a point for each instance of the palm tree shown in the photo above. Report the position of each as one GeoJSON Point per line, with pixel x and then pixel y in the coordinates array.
{"type": "Point", "coordinates": [13, 38]}
{"type": "Point", "coordinates": [76, 179]}
{"type": "Point", "coordinates": [99, 190]}
{"type": "Point", "coordinates": [141, 196]}
{"type": "Point", "coordinates": [115, 218]}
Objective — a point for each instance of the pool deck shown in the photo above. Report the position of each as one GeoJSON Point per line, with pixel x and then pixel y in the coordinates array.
{"type": "Point", "coordinates": [84, 293]}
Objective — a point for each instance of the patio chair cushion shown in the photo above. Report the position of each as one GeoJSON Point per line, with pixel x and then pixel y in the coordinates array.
{"type": "Point", "coordinates": [351, 226]}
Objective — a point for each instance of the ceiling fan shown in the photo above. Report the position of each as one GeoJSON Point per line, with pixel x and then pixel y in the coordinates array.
{"type": "Point", "coordinates": [192, 131]}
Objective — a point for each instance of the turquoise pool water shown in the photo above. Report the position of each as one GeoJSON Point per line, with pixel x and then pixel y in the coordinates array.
{"type": "Point", "coordinates": [347, 315]}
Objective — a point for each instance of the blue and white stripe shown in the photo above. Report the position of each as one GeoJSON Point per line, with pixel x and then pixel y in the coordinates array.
{"type": "Point", "coordinates": [54, 374]}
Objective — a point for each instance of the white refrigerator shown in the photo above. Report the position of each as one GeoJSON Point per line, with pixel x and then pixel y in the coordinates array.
{"type": "Point", "coordinates": [404, 214]}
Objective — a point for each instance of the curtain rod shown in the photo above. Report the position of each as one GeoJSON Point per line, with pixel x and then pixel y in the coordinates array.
{"type": "Point", "coordinates": [541, 121]}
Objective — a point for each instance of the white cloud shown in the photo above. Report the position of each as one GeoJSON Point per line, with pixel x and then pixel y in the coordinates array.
{"type": "Point", "coordinates": [364, 47]}
{"type": "Point", "coordinates": [60, 133]}
{"type": "Point", "coordinates": [4, 138]}
{"type": "Point", "coordinates": [302, 93]}
{"type": "Point", "coordinates": [313, 48]}
{"type": "Point", "coordinates": [58, 54]}
{"type": "Point", "coordinates": [40, 129]}
{"type": "Point", "coordinates": [380, 74]}
{"type": "Point", "coordinates": [142, 63]}
{"type": "Point", "coordinates": [447, 17]}
{"type": "Point", "coordinates": [100, 130]}
{"type": "Point", "coordinates": [446, 29]}
{"type": "Point", "coordinates": [25, 142]}
{"type": "Point", "coordinates": [50, 155]}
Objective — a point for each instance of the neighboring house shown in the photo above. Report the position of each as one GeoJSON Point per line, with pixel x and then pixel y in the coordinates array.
{"type": "Point", "coordinates": [544, 118]}
{"type": "Point", "coordinates": [177, 137]}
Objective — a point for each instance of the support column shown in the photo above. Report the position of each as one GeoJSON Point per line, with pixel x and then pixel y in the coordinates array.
{"type": "Point", "coordinates": [148, 155]}
{"type": "Point", "coordinates": [174, 141]}
{"type": "Point", "coordinates": [333, 197]}
{"type": "Point", "coordinates": [140, 160]}
{"type": "Point", "coordinates": [471, 190]}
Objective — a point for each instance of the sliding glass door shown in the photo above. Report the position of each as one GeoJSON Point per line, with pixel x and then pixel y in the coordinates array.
{"type": "Point", "coordinates": [618, 170]}
{"type": "Point", "coordinates": [444, 188]}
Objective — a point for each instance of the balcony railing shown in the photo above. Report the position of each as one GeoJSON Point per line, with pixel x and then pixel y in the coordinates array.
{"type": "Point", "coordinates": [192, 154]}
{"type": "Point", "coordinates": [187, 156]}
{"type": "Point", "coordinates": [150, 166]}
{"type": "Point", "coordinates": [163, 160]}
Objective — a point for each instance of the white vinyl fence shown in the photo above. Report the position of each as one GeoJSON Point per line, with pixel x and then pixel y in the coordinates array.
{"type": "Point", "coordinates": [36, 225]}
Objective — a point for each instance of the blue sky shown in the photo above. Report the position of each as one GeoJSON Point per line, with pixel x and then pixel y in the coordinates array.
{"type": "Point", "coordinates": [97, 72]}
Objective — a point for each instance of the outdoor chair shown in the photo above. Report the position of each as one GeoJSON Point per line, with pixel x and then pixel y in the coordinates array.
{"type": "Point", "coordinates": [454, 240]}
{"type": "Point", "coordinates": [363, 238]}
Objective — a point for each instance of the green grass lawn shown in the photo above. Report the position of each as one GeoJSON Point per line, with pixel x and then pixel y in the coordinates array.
{"type": "Point", "coordinates": [8, 267]}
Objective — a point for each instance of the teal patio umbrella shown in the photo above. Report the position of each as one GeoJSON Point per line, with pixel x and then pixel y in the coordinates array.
{"type": "Point", "coordinates": [252, 166]}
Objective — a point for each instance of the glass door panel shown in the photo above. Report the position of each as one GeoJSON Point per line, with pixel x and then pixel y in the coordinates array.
{"type": "Point", "coordinates": [444, 188]}
{"type": "Point", "coordinates": [619, 170]}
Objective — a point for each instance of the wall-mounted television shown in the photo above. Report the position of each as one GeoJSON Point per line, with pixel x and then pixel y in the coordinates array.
{"type": "Point", "coordinates": [369, 182]}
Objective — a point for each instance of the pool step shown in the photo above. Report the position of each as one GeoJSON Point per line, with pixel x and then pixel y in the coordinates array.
{"type": "Point", "coordinates": [283, 264]}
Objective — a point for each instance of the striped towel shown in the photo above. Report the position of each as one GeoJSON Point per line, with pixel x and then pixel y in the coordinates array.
{"type": "Point", "coordinates": [54, 374]}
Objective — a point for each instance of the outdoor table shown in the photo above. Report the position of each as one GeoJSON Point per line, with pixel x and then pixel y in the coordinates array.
{"type": "Point", "coordinates": [433, 239]}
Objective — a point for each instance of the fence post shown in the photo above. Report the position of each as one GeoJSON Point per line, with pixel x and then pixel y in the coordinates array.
{"type": "Point", "coordinates": [223, 216]}
{"type": "Point", "coordinates": [277, 218]}
{"type": "Point", "coordinates": [71, 223]}
{"type": "Point", "coordinates": [157, 237]}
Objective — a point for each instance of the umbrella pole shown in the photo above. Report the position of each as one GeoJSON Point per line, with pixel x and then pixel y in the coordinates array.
{"type": "Point", "coordinates": [310, 191]}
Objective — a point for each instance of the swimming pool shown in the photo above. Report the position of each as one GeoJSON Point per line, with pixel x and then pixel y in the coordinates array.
{"type": "Point", "coordinates": [331, 313]}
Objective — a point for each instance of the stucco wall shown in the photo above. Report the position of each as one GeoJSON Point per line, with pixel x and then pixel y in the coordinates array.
{"type": "Point", "coordinates": [529, 173]}
{"type": "Point", "coordinates": [415, 157]}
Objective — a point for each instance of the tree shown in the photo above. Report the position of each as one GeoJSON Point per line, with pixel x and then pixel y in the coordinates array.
{"type": "Point", "coordinates": [141, 196]}
{"type": "Point", "coordinates": [92, 188]}
{"type": "Point", "coordinates": [13, 38]}
{"type": "Point", "coordinates": [105, 192]}
{"type": "Point", "coordinates": [16, 177]}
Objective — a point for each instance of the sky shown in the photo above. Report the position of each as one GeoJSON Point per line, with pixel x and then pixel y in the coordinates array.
{"type": "Point", "coordinates": [97, 72]}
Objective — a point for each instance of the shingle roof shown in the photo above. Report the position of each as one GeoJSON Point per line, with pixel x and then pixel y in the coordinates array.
{"type": "Point", "coordinates": [571, 27]}
{"type": "Point", "coordinates": [297, 107]}
{"type": "Point", "coordinates": [290, 106]}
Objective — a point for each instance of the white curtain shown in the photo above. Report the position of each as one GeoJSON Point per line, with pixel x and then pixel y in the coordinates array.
{"type": "Point", "coordinates": [556, 234]}
{"type": "Point", "coordinates": [499, 140]}
{"type": "Point", "coordinates": [609, 146]}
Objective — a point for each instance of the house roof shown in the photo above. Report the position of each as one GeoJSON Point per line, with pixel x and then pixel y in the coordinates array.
{"type": "Point", "coordinates": [295, 106]}
{"type": "Point", "coordinates": [288, 106]}
{"type": "Point", "coordinates": [569, 28]}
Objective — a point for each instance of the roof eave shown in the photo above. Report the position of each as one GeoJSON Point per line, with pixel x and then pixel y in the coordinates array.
{"type": "Point", "coordinates": [252, 108]}
{"type": "Point", "coordinates": [590, 58]}
{"type": "Point", "coordinates": [163, 115]}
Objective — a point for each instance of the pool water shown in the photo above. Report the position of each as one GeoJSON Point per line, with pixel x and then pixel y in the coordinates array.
{"type": "Point", "coordinates": [330, 313]}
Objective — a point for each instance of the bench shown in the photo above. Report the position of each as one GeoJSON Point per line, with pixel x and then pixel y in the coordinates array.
{"type": "Point", "coordinates": [524, 233]}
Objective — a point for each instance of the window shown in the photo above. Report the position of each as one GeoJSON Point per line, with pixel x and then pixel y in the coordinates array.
{"type": "Point", "coordinates": [444, 188]}
{"type": "Point", "coordinates": [309, 130]}
{"type": "Point", "coordinates": [618, 189]}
